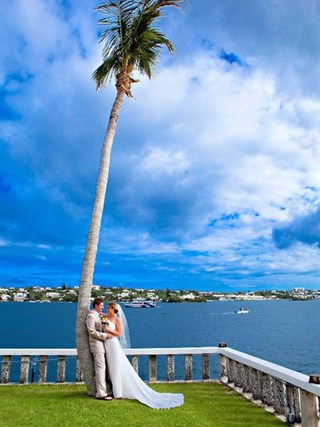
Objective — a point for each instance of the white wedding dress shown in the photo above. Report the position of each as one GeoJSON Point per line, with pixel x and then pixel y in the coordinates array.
{"type": "Point", "coordinates": [127, 384]}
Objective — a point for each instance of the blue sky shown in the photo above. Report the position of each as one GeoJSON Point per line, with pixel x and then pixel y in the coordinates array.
{"type": "Point", "coordinates": [215, 174]}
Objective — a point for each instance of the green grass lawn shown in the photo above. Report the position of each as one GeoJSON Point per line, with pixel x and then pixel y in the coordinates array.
{"type": "Point", "coordinates": [206, 404]}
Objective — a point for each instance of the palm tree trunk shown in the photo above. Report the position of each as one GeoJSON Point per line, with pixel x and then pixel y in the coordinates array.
{"type": "Point", "coordinates": [83, 349]}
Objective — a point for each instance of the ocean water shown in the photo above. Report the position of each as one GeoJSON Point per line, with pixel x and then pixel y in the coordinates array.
{"type": "Point", "coordinates": [283, 332]}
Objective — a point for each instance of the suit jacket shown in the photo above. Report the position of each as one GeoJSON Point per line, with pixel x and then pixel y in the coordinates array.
{"type": "Point", "coordinates": [96, 336]}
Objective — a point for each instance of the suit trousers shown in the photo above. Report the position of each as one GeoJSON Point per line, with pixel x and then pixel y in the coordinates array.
{"type": "Point", "coordinates": [100, 371]}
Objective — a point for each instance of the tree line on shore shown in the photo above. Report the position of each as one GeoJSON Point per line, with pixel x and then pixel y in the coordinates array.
{"type": "Point", "coordinates": [64, 293]}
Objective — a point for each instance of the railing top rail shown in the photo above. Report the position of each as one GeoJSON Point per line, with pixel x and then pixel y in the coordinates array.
{"type": "Point", "coordinates": [288, 375]}
{"type": "Point", "coordinates": [128, 351]}
{"type": "Point", "coordinates": [38, 352]}
{"type": "Point", "coordinates": [171, 351]}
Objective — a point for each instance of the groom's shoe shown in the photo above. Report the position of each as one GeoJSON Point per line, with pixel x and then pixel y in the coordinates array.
{"type": "Point", "coordinates": [104, 398]}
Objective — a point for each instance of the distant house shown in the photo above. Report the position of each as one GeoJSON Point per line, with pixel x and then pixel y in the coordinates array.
{"type": "Point", "coordinates": [4, 297]}
{"type": "Point", "coordinates": [20, 296]}
{"type": "Point", "coordinates": [299, 290]}
{"type": "Point", "coordinates": [125, 293]}
{"type": "Point", "coordinates": [188, 296]}
{"type": "Point", "coordinates": [53, 295]}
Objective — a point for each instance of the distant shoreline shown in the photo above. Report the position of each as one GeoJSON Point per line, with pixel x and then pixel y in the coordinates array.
{"type": "Point", "coordinates": [121, 294]}
{"type": "Point", "coordinates": [176, 302]}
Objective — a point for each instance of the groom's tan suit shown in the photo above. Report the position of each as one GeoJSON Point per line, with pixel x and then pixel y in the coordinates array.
{"type": "Point", "coordinates": [96, 341]}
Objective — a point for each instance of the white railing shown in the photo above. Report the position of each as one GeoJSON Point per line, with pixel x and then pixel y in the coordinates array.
{"type": "Point", "coordinates": [287, 392]}
{"type": "Point", "coordinates": [29, 358]}
{"type": "Point", "coordinates": [283, 391]}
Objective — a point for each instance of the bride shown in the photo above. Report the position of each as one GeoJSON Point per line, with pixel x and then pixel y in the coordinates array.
{"type": "Point", "coordinates": [125, 381]}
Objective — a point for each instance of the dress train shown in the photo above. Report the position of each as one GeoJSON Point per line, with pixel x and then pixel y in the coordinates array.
{"type": "Point", "coordinates": [127, 384]}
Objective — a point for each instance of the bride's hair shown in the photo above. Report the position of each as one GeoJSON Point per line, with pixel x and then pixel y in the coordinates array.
{"type": "Point", "coordinates": [114, 306]}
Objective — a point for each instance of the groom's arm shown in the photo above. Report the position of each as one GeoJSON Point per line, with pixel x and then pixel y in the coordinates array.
{"type": "Point", "coordinates": [91, 328]}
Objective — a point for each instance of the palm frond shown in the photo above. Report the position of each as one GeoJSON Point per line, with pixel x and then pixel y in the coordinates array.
{"type": "Point", "coordinates": [111, 8]}
{"type": "Point", "coordinates": [130, 39]}
{"type": "Point", "coordinates": [104, 72]}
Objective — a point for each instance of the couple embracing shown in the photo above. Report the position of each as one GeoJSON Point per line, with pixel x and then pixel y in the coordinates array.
{"type": "Point", "coordinates": [107, 341]}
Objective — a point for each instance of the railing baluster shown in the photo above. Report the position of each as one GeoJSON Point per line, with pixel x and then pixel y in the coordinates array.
{"type": "Point", "coordinates": [241, 376]}
{"type": "Point", "coordinates": [5, 369]}
{"type": "Point", "coordinates": [170, 367]}
{"type": "Point", "coordinates": [188, 367]}
{"type": "Point", "coordinates": [238, 380]}
{"type": "Point", "coordinates": [231, 371]}
{"type": "Point", "coordinates": [152, 368]}
{"type": "Point", "coordinates": [257, 385]}
{"type": "Point", "coordinates": [24, 369]}
{"type": "Point", "coordinates": [205, 367]}
{"type": "Point", "coordinates": [279, 397]}
{"type": "Point", "coordinates": [246, 384]}
{"type": "Point", "coordinates": [266, 389]}
{"type": "Point", "coordinates": [79, 373]}
{"type": "Point", "coordinates": [293, 402]}
{"type": "Point", "coordinates": [223, 368]}
{"type": "Point", "coordinates": [251, 379]}
{"type": "Point", "coordinates": [43, 369]}
{"type": "Point", "coordinates": [61, 374]}
{"type": "Point", "coordinates": [135, 363]}
{"type": "Point", "coordinates": [227, 369]}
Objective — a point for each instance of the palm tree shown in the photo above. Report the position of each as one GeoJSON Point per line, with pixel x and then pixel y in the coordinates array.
{"type": "Point", "coordinates": [132, 43]}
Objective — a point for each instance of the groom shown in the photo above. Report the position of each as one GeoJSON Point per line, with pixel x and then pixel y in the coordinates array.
{"type": "Point", "coordinates": [96, 341]}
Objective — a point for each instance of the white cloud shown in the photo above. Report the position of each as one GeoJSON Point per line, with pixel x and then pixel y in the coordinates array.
{"type": "Point", "coordinates": [235, 130]}
{"type": "Point", "coordinates": [158, 160]}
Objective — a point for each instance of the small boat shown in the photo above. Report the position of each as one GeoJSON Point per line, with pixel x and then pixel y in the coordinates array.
{"type": "Point", "coordinates": [141, 304]}
{"type": "Point", "coordinates": [242, 311]}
